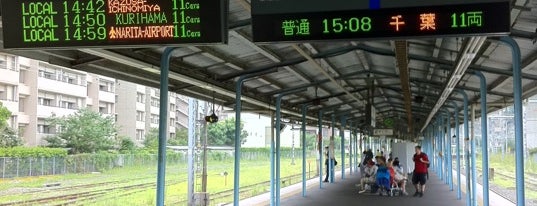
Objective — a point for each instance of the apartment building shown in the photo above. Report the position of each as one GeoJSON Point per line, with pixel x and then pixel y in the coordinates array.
{"type": "Point", "coordinates": [34, 91]}
{"type": "Point", "coordinates": [138, 110]}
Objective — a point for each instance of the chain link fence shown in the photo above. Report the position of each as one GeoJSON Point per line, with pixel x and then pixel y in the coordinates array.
{"type": "Point", "coordinates": [12, 167]}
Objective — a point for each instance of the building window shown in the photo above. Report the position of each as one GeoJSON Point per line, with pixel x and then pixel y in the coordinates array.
{"type": "Point", "coordinates": [44, 129]}
{"type": "Point", "coordinates": [140, 116]}
{"type": "Point", "coordinates": [106, 86]}
{"type": "Point", "coordinates": [45, 102]}
{"type": "Point", "coordinates": [172, 122]}
{"type": "Point", "coordinates": [155, 102]}
{"type": "Point", "coordinates": [22, 76]}
{"type": "Point", "coordinates": [68, 105]}
{"type": "Point", "coordinates": [154, 118]}
{"type": "Point", "coordinates": [140, 134]}
{"type": "Point", "coordinates": [140, 97]}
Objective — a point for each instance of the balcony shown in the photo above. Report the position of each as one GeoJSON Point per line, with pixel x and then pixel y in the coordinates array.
{"type": "Point", "coordinates": [9, 76]}
{"type": "Point", "coordinates": [10, 104]}
{"type": "Point", "coordinates": [60, 87]}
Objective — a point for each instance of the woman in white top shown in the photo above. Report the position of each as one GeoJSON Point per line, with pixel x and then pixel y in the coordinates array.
{"type": "Point", "coordinates": [400, 175]}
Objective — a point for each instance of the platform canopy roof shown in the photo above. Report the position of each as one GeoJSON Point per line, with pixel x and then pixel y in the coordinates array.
{"type": "Point", "coordinates": [339, 76]}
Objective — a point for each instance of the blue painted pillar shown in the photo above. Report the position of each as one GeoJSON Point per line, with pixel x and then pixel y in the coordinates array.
{"type": "Point", "coordinates": [332, 150]}
{"type": "Point", "coordinates": [236, 172]}
{"type": "Point", "coordinates": [304, 111]}
{"type": "Point", "coordinates": [351, 154]}
{"type": "Point", "coordinates": [484, 138]}
{"type": "Point", "coordinates": [163, 124]}
{"type": "Point", "coordinates": [449, 155]}
{"type": "Point", "coordinates": [441, 146]}
{"type": "Point", "coordinates": [278, 131]}
{"type": "Point", "coordinates": [467, 148]}
{"type": "Point", "coordinates": [358, 150]}
{"type": "Point", "coordinates": [473, 155]}
{"type": "Point", "coordinates": [519, 141]}
{"type": "Point", "coordinates": [342, 135]}
{"type": "Point", "coordinates": [278, 140]}
{"type": "Point", "coordinates": [236, 164]}
{"type": "Point", "coordinates": [320, 147]}
{"type": "Point", "coordinates": [458, 148]}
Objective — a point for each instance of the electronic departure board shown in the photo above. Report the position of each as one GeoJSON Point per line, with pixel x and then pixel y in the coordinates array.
{"type": "Point", "coordinates": [491, 18]}
{"type": "Point", "coordinates": [118, 23]}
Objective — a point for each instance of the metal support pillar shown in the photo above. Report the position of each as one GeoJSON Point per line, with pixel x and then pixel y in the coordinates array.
{"type": "Point", "coordinates": [449, 155]}
{"type": "Point", "coordinates": [238, 107]}
{"type": "Point", "coordinates": [473, 156]}
{"type": "Point", "coordinates": [484, 138]}
{"type": "Point", "coordinates": [320, 147]}
{"type": "Point", "coordinates": [467, 153]}
{"type": "Point", "coordinates": [278, 134]}
{"type": "Point", "coordinates": [441, 135]}
{"type": "Point", "coordinates": [458, 148]}
{"type": "Point", "coordinates": [163, 124]}
{"type": "Point", "coordinates": [519, 142]}
{"type": "Point", "coordinates": [192, 110]}
{"type": "Point", "coordinates": [304, 110]}
{"type": "Point", "coordinates": [351, 154]}
{"type": "Point", "coordinates": [343, 120]}
{"type": "Point", "coordinates": [331, 150]}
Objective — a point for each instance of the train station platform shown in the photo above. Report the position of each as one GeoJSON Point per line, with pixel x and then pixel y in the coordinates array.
{"type": "Point", "coordinates": [344, 192]}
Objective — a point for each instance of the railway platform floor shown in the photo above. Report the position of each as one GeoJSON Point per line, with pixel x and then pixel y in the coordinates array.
{"type": "Point", "coordinates": [344, 192]}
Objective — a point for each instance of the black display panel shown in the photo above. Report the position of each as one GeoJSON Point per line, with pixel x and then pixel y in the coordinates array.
{"type": "Point", "coordinates": [118, 23]}
{"type": "Point", "coordinates": [492, 18]}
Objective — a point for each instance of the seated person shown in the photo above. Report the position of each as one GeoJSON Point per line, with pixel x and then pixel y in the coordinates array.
{"type": "Point", "coordinates": [383, 176]}
{"type": "Point", "coordinates": [369, 176]}
{"type": "Point", "coordinates": [400, 176]}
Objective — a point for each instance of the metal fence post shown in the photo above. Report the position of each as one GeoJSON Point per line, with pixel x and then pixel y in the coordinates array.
{"type": "Point", "coordinates": [30, 166]}
{"type": "Point", "coordinates": [53, 165]}
{"type": "Point", "coordinates": [42, 166]}
{"type": "Point", "coordinates": [4, 168]}
{"type": "Point", "coordinates": [17, 167]}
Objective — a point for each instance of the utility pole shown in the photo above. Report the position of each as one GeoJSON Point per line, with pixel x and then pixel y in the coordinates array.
{"type": "Point", "coordinates": [204, 145]}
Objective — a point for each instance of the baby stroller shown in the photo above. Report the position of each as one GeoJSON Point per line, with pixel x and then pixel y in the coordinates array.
{"type": "Point", "coordinates": [384, 181]}
{"type": "Point", "coordinates": [395, 189]}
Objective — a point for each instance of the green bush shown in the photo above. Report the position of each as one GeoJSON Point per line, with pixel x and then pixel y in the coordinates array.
{"type": "Point", "coordinates": [23, 152]}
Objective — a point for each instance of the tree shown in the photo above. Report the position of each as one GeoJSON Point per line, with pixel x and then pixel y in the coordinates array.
{"type": "Point", "coordinates": [223, 133]}
{"type": "Point", "coordinates": [85, 131]}
{"type": "Point", "coordinates": [5, 114]}
{"type": "Point", "coordinates": [8, 136]}
{"type": "Point", "coordinates": [180, 139]}
{"type": "Point", "coordinates": [151, 139]}
{"type": "Point", "coordinates": [126, 144]}
{"type": "Point", "coordinates": [311, 141]}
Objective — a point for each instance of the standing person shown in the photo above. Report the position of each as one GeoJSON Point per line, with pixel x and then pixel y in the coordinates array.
{"type": "Point", "coordinates": [329, 162]}
{"type": "Point", "coordinates": [419, 176]}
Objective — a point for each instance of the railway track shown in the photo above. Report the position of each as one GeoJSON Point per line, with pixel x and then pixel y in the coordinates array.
{"type": "Point", "coordinates": [530, 182]}
{"type": "Point", "coordinates": [74, 198]}
{"type": "Point", "coordinates": [68, 188]}
{"type": "Point", "coordinates": [244, 191]}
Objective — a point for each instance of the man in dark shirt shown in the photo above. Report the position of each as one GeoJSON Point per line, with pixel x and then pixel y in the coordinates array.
{"type": "Point", "coordinates": [419, 176]}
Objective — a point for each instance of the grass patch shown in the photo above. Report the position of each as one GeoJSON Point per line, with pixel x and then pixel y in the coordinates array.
{"type": "Point", "coordinates": [252, 172]}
